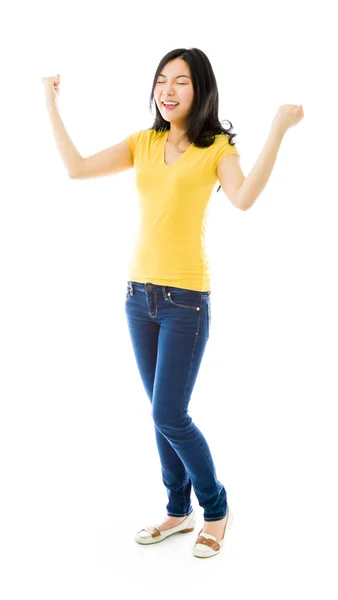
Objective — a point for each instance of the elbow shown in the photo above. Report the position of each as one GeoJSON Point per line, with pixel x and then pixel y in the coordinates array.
{"type": "Point", "coordinates": [240, 201]}
{"type": "Point", "coordinates": [241, 205]}
{"type": "Point", "coordinates": [245, 198]}
{"type": "Point", "coordinates": [244, 203]}
{"type": "Point", "coordinates": [75, 173]}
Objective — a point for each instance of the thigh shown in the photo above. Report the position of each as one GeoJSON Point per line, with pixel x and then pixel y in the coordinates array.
{"type": "Point", "coordinates": [144, 333]}
{"type": "Point", "coordinates": [181, 344]}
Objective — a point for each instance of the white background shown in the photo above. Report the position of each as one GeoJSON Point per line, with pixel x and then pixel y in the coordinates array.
{"type": "Point", "coordinates": [80, 473]}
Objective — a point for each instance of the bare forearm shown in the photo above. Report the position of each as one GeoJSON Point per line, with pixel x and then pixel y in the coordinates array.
{"type": "Point", "coordinates": [258, 177]}
{"type": "Point", "coordinates": [68, 152]}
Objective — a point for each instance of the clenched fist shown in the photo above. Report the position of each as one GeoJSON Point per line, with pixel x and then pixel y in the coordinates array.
{"type": "Point", "coordinates": [52, 86]}
{"type": "Point", "coordinates": [288, 115]}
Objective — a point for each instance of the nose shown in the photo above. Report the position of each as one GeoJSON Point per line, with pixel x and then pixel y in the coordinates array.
{"type": "Point", "coordinates": [167, 92]}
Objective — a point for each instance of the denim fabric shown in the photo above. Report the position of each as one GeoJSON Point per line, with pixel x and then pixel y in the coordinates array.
{"type": "Point", "coordinates": [169, 329]}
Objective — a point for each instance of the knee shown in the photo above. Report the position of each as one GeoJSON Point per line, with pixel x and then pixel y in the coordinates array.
{"type": "Point", "coordinates": [160, 418]}
{"type": "Point", "coordinates": [165, 421]}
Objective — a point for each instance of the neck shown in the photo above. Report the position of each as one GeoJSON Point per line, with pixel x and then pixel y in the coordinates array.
{"type": "Point", "coordinates": [176, 134]}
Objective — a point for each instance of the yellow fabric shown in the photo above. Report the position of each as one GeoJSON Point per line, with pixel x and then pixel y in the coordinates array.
{"type": "Point", "coordinates": [170, 247]}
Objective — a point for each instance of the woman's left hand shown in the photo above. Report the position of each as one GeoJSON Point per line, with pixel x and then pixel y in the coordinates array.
{"type": "Point", "coordinates": [288, 115]}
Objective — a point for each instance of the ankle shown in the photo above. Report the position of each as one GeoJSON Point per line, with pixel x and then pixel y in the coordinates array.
{"type": "Point", "coordinates": [171, 522]}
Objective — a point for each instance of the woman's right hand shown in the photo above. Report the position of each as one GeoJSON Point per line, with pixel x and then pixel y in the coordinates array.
{"type": "Point", "coordinates": [51, 86]}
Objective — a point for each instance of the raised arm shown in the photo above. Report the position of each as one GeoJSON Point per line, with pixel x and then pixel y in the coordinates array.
{"type": "Point", "coordinates": [243, 191]}
{"type": "Point", "coordinates": [71, 157]}
{"type": "Point", "coordinates": [111, 160]}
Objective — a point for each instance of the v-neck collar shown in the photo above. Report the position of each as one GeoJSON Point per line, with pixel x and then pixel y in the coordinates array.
{"type": "Point", "coordinates": [165, 138]}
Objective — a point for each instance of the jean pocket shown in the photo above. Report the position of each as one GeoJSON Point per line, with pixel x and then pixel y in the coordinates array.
{"type": "Point", "coordinates": [183, 299]}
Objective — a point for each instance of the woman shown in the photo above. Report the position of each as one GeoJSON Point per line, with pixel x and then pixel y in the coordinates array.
{"type": "Point", "coordinates": [177, 161]}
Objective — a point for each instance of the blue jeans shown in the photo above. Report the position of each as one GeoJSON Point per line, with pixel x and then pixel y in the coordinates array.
{"type": "Point", "coordinates": [169, 329]}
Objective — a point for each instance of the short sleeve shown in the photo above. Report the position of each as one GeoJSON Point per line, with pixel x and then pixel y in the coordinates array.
{"type": "Point", "coordinates": [132, 141]}
{"type": "Point", "coordinates": [224, 148]}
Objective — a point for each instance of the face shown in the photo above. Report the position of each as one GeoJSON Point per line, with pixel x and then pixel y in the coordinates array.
{"type": "Point", "coordinates": [174, 83]}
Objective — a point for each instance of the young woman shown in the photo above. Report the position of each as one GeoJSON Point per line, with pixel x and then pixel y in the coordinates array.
{"type": "Point", "coordinates": [178, 162]}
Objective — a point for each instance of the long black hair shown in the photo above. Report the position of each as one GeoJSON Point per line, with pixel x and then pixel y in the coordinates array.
{"type": "Point", "coordinates": [203, 122]}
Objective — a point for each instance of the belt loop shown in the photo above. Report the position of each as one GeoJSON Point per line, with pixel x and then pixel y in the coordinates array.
{"type": "Point", "coordinates": [164, 292]}
{"type": "Point", "coordinates": [131, 289]}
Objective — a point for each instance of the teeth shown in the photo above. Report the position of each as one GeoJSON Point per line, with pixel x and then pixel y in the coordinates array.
{"type": "Point", "coordinates": [171, 103]}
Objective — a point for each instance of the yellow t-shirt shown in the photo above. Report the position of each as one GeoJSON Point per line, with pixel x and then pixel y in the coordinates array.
{"type": "Point", "coordinates": [169, 248]}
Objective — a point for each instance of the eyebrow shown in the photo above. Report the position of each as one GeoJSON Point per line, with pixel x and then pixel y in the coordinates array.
{"type": "Point", "coordinates": [162, 74]}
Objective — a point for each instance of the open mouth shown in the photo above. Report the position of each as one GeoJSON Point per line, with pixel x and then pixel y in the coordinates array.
{"type": "Point", "coordinates": [169, 106]}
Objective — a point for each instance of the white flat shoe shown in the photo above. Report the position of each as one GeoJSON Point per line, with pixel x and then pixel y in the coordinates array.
{"type": "Point", "coordinates": [152, 535]}
{"type": "Point", "coordinates": [207, 545]}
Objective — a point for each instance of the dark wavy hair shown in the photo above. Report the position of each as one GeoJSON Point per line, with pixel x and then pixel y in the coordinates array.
{"type": "Point", "coordinates": [203, 122]}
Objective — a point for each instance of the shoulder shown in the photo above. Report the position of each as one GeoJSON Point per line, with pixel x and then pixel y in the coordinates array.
{"type": "Point", "coordinates": [221, 139]}
{"type": "Point", "coordinates": [145, 134]}
{"type": "Point", "coordinates": [136, 138]}
{"type": "Point", "coordinates": [222, 148]}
